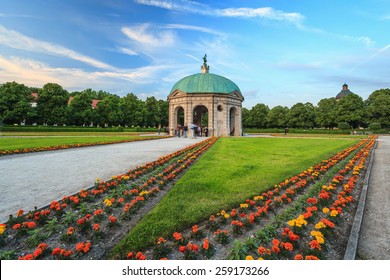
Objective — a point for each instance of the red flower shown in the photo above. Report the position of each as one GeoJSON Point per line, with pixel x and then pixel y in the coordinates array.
{"type": "Point", "coordinates": [261, 250]}
{"type": "Point", "coordinates": [70, 231]}
{"type": "Point", "coordinates": [56, 251]}
{"type": "Point", "coordinates": [37, 252]}
{"type": "Point", "coordinates": [206, 244]}
{"type": "Point", "coordinates": [182, 249]}
{"type": "Point", "coordinates": [112, 219]}
{"type": "Point", "coordinates": [16, 226]}
{"type": "Point", "coordinates": [130, 255]}
{"type": "Point", "coordinates": [177, 236]}
{"type": "Point", "coordinates": [96, 227]}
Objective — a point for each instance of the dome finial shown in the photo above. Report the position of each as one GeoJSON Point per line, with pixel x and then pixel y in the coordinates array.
{"type": "Point", "coordinates": [204, 68]}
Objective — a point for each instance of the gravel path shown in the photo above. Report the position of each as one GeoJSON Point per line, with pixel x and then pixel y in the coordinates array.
{"type": "Point", "coordinates": [374, 242]}
{"type": "Point", "coordinates": [36, 179]}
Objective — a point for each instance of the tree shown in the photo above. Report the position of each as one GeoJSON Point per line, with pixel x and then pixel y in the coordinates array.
{"type": "Point", "coordinates": [52, 104]}
{"type": "Point", "coordinates": [258, 116]}
{"type": "Point", "coordinates": [153, 113]}
{"type": "Point", "coordinates": [80, 109]}
{"type": "Point", "coordinates": [15, 103]}
{"type": "Point", "coordinates": [164, 112]}
{"type": "Point", "coordinates": [378, 107]}
{"type": "Point", "coordinates": [326, 114]}
{"type": "Point", "coordinates": [245, 115]}
{"type": "Point", "coordinates": [302, 116]}
{"type": "Point", "coordinates": [350, 109]}
{"type": "Point", "coordinates": [277, 117]}
{"type": "Point", "coordinates": [130, 106]}
{"type": "Point", "coordinates": [109, 112]}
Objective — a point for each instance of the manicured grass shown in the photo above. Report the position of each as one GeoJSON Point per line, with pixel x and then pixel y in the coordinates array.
{"type": "Point", "coordinates": [231, 171]}
{"type": "Point", "coordinates": [12, 143]}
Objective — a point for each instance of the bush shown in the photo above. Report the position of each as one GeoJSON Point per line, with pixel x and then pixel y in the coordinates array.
{"type": "Point", "coordinates": [343, 126]}
{"type": "Point", "coordinates": [375, 126]}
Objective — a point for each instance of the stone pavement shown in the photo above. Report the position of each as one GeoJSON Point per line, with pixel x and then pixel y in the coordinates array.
{"type": "Point", "coordinates": [374, 240]}
{"type": "Point", "coordinates": [36, 179]}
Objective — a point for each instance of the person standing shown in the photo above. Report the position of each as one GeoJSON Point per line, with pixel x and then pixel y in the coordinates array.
{"type": "Point", "coordinates": [185, 130]}
{"type": "Point", "coordinates": [206, 132]}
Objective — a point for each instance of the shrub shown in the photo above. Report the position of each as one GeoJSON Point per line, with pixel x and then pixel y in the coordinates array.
{"type": "Point", "coordinates": [375, 126]}
{"type": "Point", "coordinates": [343, 126]}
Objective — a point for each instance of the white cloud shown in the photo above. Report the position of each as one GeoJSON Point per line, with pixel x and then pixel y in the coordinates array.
{"type": "Point", "coordinates": [264, 13]}
{"type": "Point", "coordinates": [127, 51]}
{"type": "Point", "coordinates": [144, 36]}
{"type": "Point", "coordinates": [195, 28]}
{"type": "Point", "coordinates": [36, 73]}
{"type": "Point", "coordinates": [198, 8]}
{"type": "Point", "coordinates": [16, 40]}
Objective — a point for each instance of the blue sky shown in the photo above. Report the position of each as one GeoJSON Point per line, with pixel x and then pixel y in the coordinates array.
{"type": "Point", "coordinates": [279, 52]}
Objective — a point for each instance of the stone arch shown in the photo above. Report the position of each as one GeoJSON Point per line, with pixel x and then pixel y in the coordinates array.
{"type": "Point", "coordinates": [179, 116]}
{"type": "Point", "coordinates": [200, 115]}
{"type": "Point", "coordinates": [234, 122]}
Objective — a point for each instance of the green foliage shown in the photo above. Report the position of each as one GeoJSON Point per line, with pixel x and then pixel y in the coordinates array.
{"type": "Point", "coordinates": [277, 117]}
{"type": "Point", "coordinates": [350, 109]}
{"type": "Point", "coordinates": [375, 126]}
{"type": "Point", "coordinates": [302, 116]}
{"type": "Point", "coordinates": [343, 125]}
{"type": "Point", "coordinates": [52, 104]}
{"type": "Point", "coordinates": [378, 107]}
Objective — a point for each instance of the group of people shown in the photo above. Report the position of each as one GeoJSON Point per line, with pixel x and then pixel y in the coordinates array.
{"type": "Point", "coordinates": [196, 131]}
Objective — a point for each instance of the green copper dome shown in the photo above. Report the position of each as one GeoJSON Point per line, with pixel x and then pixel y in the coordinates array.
{"type": "Point", "coordinates": [205, 83]}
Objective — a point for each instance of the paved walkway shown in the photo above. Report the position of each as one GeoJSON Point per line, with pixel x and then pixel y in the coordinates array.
{"type": "Point", "coordinates": [374, 242]}
{"type": "Point", "coordinates": [36, 179]}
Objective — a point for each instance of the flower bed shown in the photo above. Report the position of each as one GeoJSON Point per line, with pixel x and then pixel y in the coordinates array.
{"type": "Point", "coordinates": [70, 146]}
{"type": "Point", "coordinates": [285, 222]}
{"type": "Point", "coordinates": [74, 227]}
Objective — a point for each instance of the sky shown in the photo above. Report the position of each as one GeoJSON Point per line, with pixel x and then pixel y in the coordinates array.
{"type": "Point", "coordinates": [278, 52]}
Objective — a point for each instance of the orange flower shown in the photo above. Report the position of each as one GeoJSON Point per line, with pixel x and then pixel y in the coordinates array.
{"type": "Point", "coordinates": [161, 240]}
{"type": "Point", "coordinates": [177, 236]}
{"type": "Point", "coordinates": [19, 213]}
{"type": "Point", "coordinates": [130, 255]}
{"type": "Point", "coordinates": [314, 244]}
{"type": "Point", "coordinates": [70, 231]}
{"type": "Point", "coordinates": [298, 257]}
{"type": "Point", "coordinates": [275, 242]}
{"type": "Point", "coordinates": [195, 228]}
{"type": "Point", "coordinates": [261, 250]}
{"type": "Point", "coordinates": [140, 256]}
{"type": "Point", "coordinates": [37, 252]}
{"type": "Point", "coordinates": [328, 223]}
{"type": "Point", "coordinates": [287, 246]}
{"type": "Point", "coordinates": [80, 247]}
{"type": "Point", "coordinates": [311, 257]}
{"type": "Point", "coordinates": [182, 249]}
{"type": "Point", "coordinates": [112, 219]}
{"type": "Point", "coordinates": [31, 225]}
{"type": "Point", "coordinates": [16, 226]}
{"type": "Point", "coordinates": [96, 227]}
{"type": "Point", "coordinates": [275, 249]}
{"type": "Point", "coordinates": [206, 244]}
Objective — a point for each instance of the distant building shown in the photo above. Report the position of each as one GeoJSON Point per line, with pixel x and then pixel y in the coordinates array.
{"type": "Point", "coordinates": [344, 92]}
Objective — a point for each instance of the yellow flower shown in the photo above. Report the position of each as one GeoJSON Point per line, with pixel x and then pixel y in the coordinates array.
{"type": "Point", "coordinates": [291, 223]}
{"type": "Point", "coordinates": [334, 213]}
{"type": "Point", "coordinates": [325, 210]}
{"type": "Point", "coordinates": [107, 202]}
{"type": "Point", "coordinates": [244, 205]}
{"type": "Point", "coordinates": [318, 235]}
{"type": "Point", "coordinates": [260, 259]}
{"type": "Point", "coordinates": [320, 225]}
{"type": "Point", "coordinates": [249, 258]}
{"type": "Point", "coordinates": [226, 216]}
{"type": "Point", "coordinates": [223, 212]}
{"type": "Point", "coordinates": [259, 197]}
{"type": "Point", "coordinates": [2, 228]}
{"type": "Point", "coordinates": [97, 180]}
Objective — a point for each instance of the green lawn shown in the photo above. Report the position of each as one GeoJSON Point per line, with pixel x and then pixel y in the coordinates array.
{"type": "Point", "coordinates": [231, 171]}
{"type": "Point", "coordinates": [13, 143]}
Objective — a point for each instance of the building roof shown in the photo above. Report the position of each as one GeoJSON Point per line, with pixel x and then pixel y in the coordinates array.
{"type": "Point", "coordinates": [206, 83]}
{"type": "Point", "coordinates": [345, 91]}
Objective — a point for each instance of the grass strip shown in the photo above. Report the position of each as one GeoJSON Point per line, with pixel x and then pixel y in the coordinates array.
{"type": "Point", "coordinates": [231, 171]}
